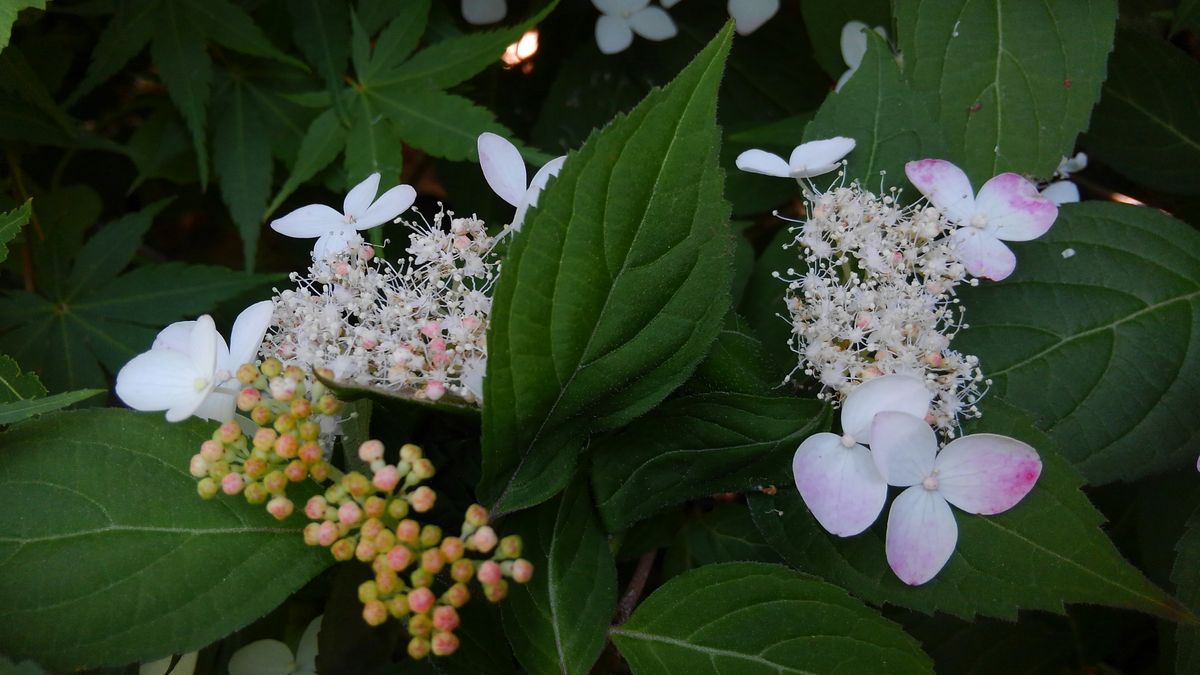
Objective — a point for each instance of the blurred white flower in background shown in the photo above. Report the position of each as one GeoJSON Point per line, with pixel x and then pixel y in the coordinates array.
{"type": "Point", "coordinates": [620, 19]}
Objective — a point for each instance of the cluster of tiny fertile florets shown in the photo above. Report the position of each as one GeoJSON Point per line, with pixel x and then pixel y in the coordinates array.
{"type": "Point", "coordinates": [369, 519]}
{"type": "Point", "coordinates": [417, 328]}
{"type": "Point", "coordinates": [876, 297]}
{"type": "Point", "coordinates": [286, 448]}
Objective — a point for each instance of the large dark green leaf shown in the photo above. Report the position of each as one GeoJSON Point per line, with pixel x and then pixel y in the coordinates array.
{"type": "Point", "coordinates": [1011, 82]}
{"type": "Point", "coordinates": [1186, 577]}
{"type": "Point", "coordinates": [11, 223]}
{"type": "Point", "coordinates": [8, 15]}
{"type": "Point", "coordinates": [1103, 347]}
{"type": "Point", "coordinates": [109, 556]}
{"type": "Point", "coordinates": [242, 162]}
{"type": "Point", "coordinates": [725, 534]}
{"type": "Point", "coordinates": [1146, 126]}
{"type": "Point", "coordinates": [178, 50]}
{"type": "Point", "coordinates": [442, 124]}
{"type": "Point", "coordinates": [1045, 552]}
{"type": "Point", "coordinates": [398, 40]}
{"type": "Point", "coordinates": [749, 618]}
{"type": "Point", "coordinates": [557, 622]}
{"type": "Point", "coordinates": [612, 292]}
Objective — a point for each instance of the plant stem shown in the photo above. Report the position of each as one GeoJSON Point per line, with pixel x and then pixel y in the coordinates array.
{"type": "Point", "coordinates": [637, 584]}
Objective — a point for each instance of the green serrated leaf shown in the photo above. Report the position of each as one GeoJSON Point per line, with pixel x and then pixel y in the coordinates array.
{"type": "Point", "coordinates": [242, 162]}
{"type": "Point", "coordinates": [8, 15]}
{"type": "Point", "coordinates": [11, 223]}
{"type": "Point", "coordinates": [112, 516]}
{"type": "Point", "coordinates": [1146, 125]}
{"type": "Point", "coordinates": [557, 623]}
{"type": "Point", "coordinates": [764, 307]}
{"type": "Point", "coordinates": [1186, 577]}
{"type": "Point", "coordinates": [1103, 347]}
{"type": "Point", "coordinates": [736, 363]}
{"type": "Point", "coordinates": [720, 442]}
{"type": "Point", "coordinates": [623, 273]}
{"type": "Point", "coordinates": [1012, 83]}
{"type": "Point", "coordinates": [1042, 554]}
{"type": "Point", "coordinates": [179, 51]}
{"type": "Point", "coordinates": [824, 19]}
{"type": "Point", "coordinates": [15, 411]}
{"type": "Point", "coordinates": [372, 144]}
{"type": "Point", "coordinates": [229, 25]}
{"type": "Point", "coordinates": [110, 250]}
{"type": "Point", "coordinates": [17, 76]}
{"type": "Point", "coordinates": [17, 386]}
{"type": "Point", "coordinates": [725, 534]}
{"type": "Point", "coordinates": [750, 618]}
{"type": "Point", "coordinates": [324, 140]}
{"type": "Point", "coordinates": [876, 108]}
{"type": "Point", "coordinates": [322, 32]}
{"type": "Point", "coordinates": [64, 215]}
{"type": "Point", "coordinates": [397, 42]}
{"type": "Point", "coordinates": [127, 34]}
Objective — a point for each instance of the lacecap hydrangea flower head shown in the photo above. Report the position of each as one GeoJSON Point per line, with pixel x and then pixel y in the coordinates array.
{"type": "Point", "coordinates": [874, 311]}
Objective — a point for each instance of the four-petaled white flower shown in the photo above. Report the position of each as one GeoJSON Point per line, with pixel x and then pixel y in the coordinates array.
{"type": "Point", "coordinates": [620, 19]}
{"type": "Point", "coordinates": [272, 657]}
{"type": "Point", "coordinates": [1063, 191]}
{"type": "Point", "coordinates": [836, 476]}
{"type": "Point", "coordinates": [807, 160]}
{"type": "Point", "coordinates": [189, 366]}
{"type": "Point", "coordinates": [483, 12]}
{"type": "Point", "coordinates": [1007, 208]}
{"type": "Point", "coordinates": [360, 211]}
{"type": "Point", "coordinates": [504, 171]}
{"type": "Point", "coordinates": [854, 48]}
{"type": "Point", "coordinates": [982, 474]}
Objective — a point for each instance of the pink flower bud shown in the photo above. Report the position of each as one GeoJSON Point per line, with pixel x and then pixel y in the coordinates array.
{"type": "Point", "coordinates": [282, 388]}
{"type": "Point", "coordinates": [420, 601]}
{"type": "Point", "coordinates": [374, 613]}
{"type": "Point", "coordinates": [399, 558]}
{"type": "Point", "coordinates": [262, 415]}
{"type": "Point", "coordinates": [296, 471]}
{"type": "Point", "coordinates": [247, 373]}
{"type": "Point", "coordinates": [434, 390]}
{"type": "Point", "coordinates": [374, 507]}
{"type": "Point", "coordinates": [328, 404]}
{"type": "Point", "coordinates": [211, 451]}
{"type": "Point", "coordinates": [484, 539]}
{"type": "Point", "coordinates": [312, 533]}
{"type": "Point", "coordinates": [397, 605]}
{"type": "Point", "coordinates": [310, 453]}
{"type": "Point", "coordinates": [437, 345]}
{"type": "Point", "coordinates": [370, 451]}
{"type": "Point", "coordinates": [422, 499]}
{"type": "Point", "coordinates": [495, 592]}
{"type": "Point", "coordinates": [198, 466]}
{"type": "Point", "coordinates": [431, 329]}
{"type": "Point", "coordinates": [422, 469]}
{"type": "Point", "coordinates": [386, 580]}
{"type": "Point", "coordinates": [462, 242]}
{"type": "Point", "coordinates": [522, 570]}
{"type": "Point", "coordinates": [341, 269]}
{"type": "Point", "coordinates": [275, 482]}
{"type": "Point", "coordinates": [327, 534]}
{"type": "Point", "coordinates": [431, 535]}
{"type": "Point", "coordinates": [510, 547]}
{"type": "Point", "coordinates": [309, 430]}
{"type": "Point", "coordinates": [365, 551]}
{"type": "Point", "coordinates": [314, 508]}
{"type": "Point", "coordinates": [271, 367]}
{"type": "Point", "coordinates": [342, 550]}
{"type": "Point", "coordinates": [301, 408]}
{"type": "Point", "coordinates": [207, 488]}
{"type": "Point", "coordinates": [366, 252]}
{"type": "Point", "coordinates": [255, 493]}
{"type": "Point", "coordinates": [463, 570]}
{"type": "Point", "coordinates": [445, 618]}
{"type": "Point", "coordinates": [285, 423]}
{"type": "Point", "coordinates": [369, 342]}
{"type": "Point", "coordinates": [397, 508]}
{"type": "Point", "coordinates": [477, 516]}
{"type": "Point", "coordinates": [232, 483]}
{"type": "Point", "coordinates": [457, 595]}
{"type": "Point", "coordinates": [264, 438]}
{"type": "Point", "coordinates": [356, 484]}
{"type": "Point", "coordinates": [490, 572]}
{"type": "Point", "coordinates": [247, 399]}
{"type": "Point", "coordinates": [319, 471]}
{"type": "Point", "coordinates": [432, 561]}
{"type": "Point", "coordinates": [255, 467]}
{"type": "Point", "coordinates": [386, 479]}
{"type": "Point", "coordinates": [280, 507]}
{"type": "Point", "coordinates": [418, 648]}
{"type": "Point", "coordinates": [470, 322]}
{"type": "Point", "coordinates": [349, 513]}
{"type": "Point", "coordinates": [229, 432]}
{"type": "Point", "coordinates": [444, 643]}
{"type": "Point", "coordinates": [452, 549]}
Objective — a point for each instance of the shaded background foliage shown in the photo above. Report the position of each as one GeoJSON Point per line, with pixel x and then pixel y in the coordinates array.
{"type": "Point", "coordinates": [156, 138]}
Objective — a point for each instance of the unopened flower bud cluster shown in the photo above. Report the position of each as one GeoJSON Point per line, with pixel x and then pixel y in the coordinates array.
{"type": "Point", "coordinates": [417, 328]}
{"type": "Point", "coordinates": [876, 297]}
{"type": "Point", "coordinates": [286, 448]}
{"type": "Point", "coordinates": [371, 520]}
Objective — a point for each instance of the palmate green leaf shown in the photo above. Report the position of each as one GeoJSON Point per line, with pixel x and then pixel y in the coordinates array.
{"type": "Point", "coordinates": [824, 19]}
{"type": "Point", "coordinates": [178, 50]}
{"type": "Point", "coordinates": [749, 618]}
{"type": "Point", "coordinates": [127, 34]}
{"type": "Point", "coordinates": [725, 534]}
{"type": "Point", "coordinates": [397, 41]}
{"type": "Point", "coordinates": [322, 32]}
{"type": "Point", "coordinates": [16, 386]}
{"type": "Point", "coordinates": [16, 411]}
{"type": "Point", "coordinates": [612, 292]}
{"type": "Point", "coordinates": [11, 223]}
{"type": "Point", "coordinates": [8, 15]}
{"type": "Point", "coordinates": [1103, 347]}
{"type": "Point", "coordinates": [1043, 553]}
{"type": "Point", "coordinates": [108, 556]}
{"type": "Point", "coordinates": [1186, 577]}
{"type": "Point", "coordinates": [1146, 125]}
{"type": "Point", "coordinates": [557, 622]}
{"type": "Point", "coordinates": [16, 75]}
{"type": "Point", "coordinates": [110, 250]}
{"type": "Point", "coordinates": [227, 24]}
{"type": "Point", "coordinates": [242, 162]}
{"type": "Point", "coordinates": [372, 144]}
{"type": "Point", "coordinates": [699, 445]}
{"type": "Point", "coordinates": [1187, 15]}
{"type": "Point", "coordinates": [887, 119]}
{"type": "Point", "coordinates": [323, 141]}
{"type": "Point", "coordinates": [1011, 82]}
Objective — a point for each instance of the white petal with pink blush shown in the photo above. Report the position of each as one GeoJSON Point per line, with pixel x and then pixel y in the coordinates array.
{"type": "Point", "coordinates": [1007, 208]}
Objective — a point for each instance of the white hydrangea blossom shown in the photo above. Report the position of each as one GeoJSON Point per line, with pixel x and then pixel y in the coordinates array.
{"type": "Point", "coordinates": [876, 297]}
{"type": "Point", "coordinates": [417, 328]}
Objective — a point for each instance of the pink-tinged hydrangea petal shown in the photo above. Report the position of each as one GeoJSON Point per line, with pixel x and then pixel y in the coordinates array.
{"type": "Point", "coordinates": [946, 187]}
{"type": "Point", "coordinates": [763, 162]}
{"type": "Point", "coordinates": [1061, 192]}
{"type": "Point", "coordinates": [749, 15]}
{"type": "Point", "coordinates": [360, 197]}
{"type": "Point", "coordinates": [309, 221]}
{"type": "Point", "coordinates": [921, 535]}
{"type": "Point", "coordinates": [159, 379]}
{"type": "Point", "coordinates": [483, 12]}
{"type": "Point", "coordinates": [503, 167]}
{"type": "Point", "coordinates": [389, 205]}
{"type": "Point", "coordinates": [613, 34]}
{"type": "Point", "coordinates": [854, 43]}
{"type": "Point", "coordinates": [1014, 209]}
{"type": "Point", "coordinates": [983, 255]}
{"type": "Point", "coordinates": [247, 334]}
{"type": "Point", "coordinates": [903, 448]}
{"type": "Point", "coordinates": [898, 393]}
{"type": "Point", "coordinates": [653, 23]}
{"type": "Point", "coordinates": [815, 158]}
{"type": "Point", "coordinates": [840, 485]}
{"type": "Point", "coordinates": [987, 473]}
{"type": "Point", "coordinates": [262, 657]}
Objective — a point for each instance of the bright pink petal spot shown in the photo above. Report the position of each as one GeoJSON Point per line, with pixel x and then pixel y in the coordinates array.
{"type": "Point", "coordinates": [983, 255]}
{"type": "Point", "coordinates": [987, 473]}
{"type": "Point", "coordinates": [903, 447]}
{"type": "Point", "coordinates": [921, 535]}
{"type": "Point", "coordinates": [946, 187]}
{"type": "Point", "coordinates": [1014, 209]}
{"type": "Point", "coordinates": [840, 485]}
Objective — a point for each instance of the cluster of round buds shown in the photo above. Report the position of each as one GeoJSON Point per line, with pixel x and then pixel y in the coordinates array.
{"type": "Point", "coordinates": [373, 520]}
{"type": "Point", "coordinates": [285, 448]}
